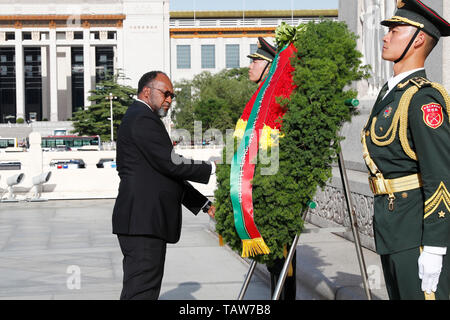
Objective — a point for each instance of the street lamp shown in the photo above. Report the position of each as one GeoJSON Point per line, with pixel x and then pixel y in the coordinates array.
{"type": "Point", "coordinates": [111, 97]}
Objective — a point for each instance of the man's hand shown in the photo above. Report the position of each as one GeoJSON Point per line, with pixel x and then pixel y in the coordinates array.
{"type": "Point", "coordinates": [214, 164]}
{"type": "Point", "coordinates": [212, 211]}
{"type": "Point", "coordinates": [430, 266]}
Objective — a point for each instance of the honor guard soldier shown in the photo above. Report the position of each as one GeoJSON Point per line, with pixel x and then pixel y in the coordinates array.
{"type": "Point", "coordinates": [406, 145]}
{"type": "Point", "coordinates": [261, 60]}
{"type": "Point", "coordinates": [259, 68]}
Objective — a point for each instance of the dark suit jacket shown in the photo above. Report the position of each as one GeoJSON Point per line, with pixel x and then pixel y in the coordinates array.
{"type": "Point", "coordinates": [153, 178]}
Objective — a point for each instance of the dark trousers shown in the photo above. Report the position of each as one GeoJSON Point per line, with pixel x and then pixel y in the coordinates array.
{"type": "Point", "coordinates": [143, 266]}
{"type": "Point", "coordinates": [289, 290]}
{"type": "Point", "coordinates": [401, 275]}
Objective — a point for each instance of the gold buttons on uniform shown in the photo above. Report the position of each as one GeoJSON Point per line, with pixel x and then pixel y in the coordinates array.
{"type": "Point", "coordinates": [405, 195]}
{"type": "Point", "coordinates": [367, 133]}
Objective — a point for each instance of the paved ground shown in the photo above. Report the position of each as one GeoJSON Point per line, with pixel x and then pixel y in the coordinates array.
{"type": "Point", "coordinates": [65, 250]}
{"type": "Point", "coordinates": [328, 268]}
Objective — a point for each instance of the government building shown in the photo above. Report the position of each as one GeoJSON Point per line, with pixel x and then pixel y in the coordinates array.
{"type": "Point", "coordinates": [54, 52]}
{"type": "Point", "coordinates": [217, 40]}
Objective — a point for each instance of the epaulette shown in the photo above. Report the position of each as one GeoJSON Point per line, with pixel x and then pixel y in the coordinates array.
{"type": "Point", "coordinates": [419, 82]}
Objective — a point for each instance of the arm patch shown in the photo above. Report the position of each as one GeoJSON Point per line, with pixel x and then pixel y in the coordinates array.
{"type": "Point", "coordinates": [433, 115]}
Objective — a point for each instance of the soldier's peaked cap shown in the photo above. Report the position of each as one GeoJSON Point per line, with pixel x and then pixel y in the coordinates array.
{"type": "Point", "coordinates": [416, 13]}
{"type": "Point", "coordinates": [265, 51]}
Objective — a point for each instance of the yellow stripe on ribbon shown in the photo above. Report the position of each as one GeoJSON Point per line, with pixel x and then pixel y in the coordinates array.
{"type": "Point", "coordinates": [239, 131]}
{"type": "Point", "coordinates": [269, 137]}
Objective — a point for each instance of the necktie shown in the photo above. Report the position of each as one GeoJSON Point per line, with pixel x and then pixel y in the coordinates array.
{"type": "Point", "coordinates": [383, 92]}
{"type": "Point", "coordinates": [376, 107]}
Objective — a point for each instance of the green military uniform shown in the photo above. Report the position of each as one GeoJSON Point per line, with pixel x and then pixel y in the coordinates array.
{"type": "Point", "coordinates": [407, 150]}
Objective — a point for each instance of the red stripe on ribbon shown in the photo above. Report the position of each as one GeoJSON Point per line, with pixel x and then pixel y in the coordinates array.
{"type": "Point", "coordinates": [284, 73]}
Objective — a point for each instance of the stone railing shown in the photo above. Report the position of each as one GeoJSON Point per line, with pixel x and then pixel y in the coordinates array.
{"type": "Point", "coordinates": [74, 183]}
{"type": "Point", "coordinates": [331, 208]}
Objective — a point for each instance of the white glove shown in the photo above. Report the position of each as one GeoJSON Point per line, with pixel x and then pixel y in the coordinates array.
{"type": "Point", "coordinates": [430, 266]}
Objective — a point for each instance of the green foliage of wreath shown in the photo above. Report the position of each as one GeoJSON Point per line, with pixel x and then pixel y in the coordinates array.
{"type": "Point", "coordinates": [326, 64]}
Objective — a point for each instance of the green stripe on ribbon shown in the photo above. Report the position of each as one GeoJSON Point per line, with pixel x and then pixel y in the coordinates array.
{"type": "Point", "coordinates": [240, 157]}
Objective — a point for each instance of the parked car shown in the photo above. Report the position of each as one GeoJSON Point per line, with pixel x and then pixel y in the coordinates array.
{"type": "Point", "coordinates": [106, 163]}
{"type": "Point", "coordinates": [10, 165]}
{"type": "Point", "coordinates": [68, 163]}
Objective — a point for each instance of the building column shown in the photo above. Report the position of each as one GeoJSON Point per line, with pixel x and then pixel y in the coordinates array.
{"type": "Point", "coordinates": [166, 37]}
{"type": "Point", "coordinates": [87, 65]}
{"type": "Point", "coordinates": [119, 50]}
{"type": "Point", "coordinates": [20, 76]}
{"type": "Point", "coordinates": [220, 54]}
{"type": "Point", "coordinates": [446, 48]}
{"type": "Point", "coordinates": [53, 77]}
{"type": "Point", "coordinates": [45, 83]}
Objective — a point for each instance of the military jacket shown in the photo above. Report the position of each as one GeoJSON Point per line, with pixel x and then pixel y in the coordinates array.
{"type": "Point", "coordinates": [420, 216]}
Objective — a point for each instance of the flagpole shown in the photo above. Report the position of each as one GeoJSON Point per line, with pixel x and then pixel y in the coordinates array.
{"type": "Point", "coordinates": [292, 12]}
{"type": "Point", "coordinates": [243, 12]}
{"type": "Point", "coordinates": [247, 280]}
{"type": "Point", "coordinates": [193, 4]}
{"type": "Point", "coordinates": [354, 226]}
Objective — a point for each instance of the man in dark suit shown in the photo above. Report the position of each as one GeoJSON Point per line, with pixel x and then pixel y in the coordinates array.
{"type": "Point", "coordinates": [153, 186]}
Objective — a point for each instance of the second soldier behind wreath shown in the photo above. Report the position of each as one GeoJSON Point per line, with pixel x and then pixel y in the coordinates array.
{"type": "Point", "coordinates": [258, 70]}
{"type": "Point", "coordinates": [406, 145]}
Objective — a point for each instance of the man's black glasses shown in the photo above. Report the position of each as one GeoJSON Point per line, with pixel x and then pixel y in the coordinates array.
{"type": "Point", "coordinates": [165, 93]}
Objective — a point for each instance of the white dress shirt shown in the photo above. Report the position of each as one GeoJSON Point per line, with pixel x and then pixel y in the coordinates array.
{"type": "Point", "coordinates": [392, 82]}
{"type": "Point", "coordinates": [144, 103]}
{"type": "Point", "coordinates": [213, 164]}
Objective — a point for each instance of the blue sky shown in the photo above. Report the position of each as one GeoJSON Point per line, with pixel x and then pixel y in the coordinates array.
{"type": "Point", "coordinates": [188, 5]}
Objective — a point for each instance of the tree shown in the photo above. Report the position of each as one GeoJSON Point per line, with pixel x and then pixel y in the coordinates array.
{"type": "Point", "coordinates": [326, 64]}
{"type": "Point", "coordinates": [95, 119]}
{"type": "Point", "coordinates": [215, 100]}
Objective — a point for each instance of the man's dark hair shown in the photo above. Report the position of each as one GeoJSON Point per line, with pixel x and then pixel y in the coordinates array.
{"type": "Point", "coordinates": [430, 44]}
{"type": "Point", "coordinates": [147, 79]}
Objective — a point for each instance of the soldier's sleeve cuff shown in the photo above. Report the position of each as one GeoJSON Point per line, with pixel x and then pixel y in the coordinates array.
{"type": "Point", "coordinates": [435, 250]}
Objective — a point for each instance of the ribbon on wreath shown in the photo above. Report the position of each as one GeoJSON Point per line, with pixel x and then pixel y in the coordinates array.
{"type": "Point", "coordinates": [259, 125]}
